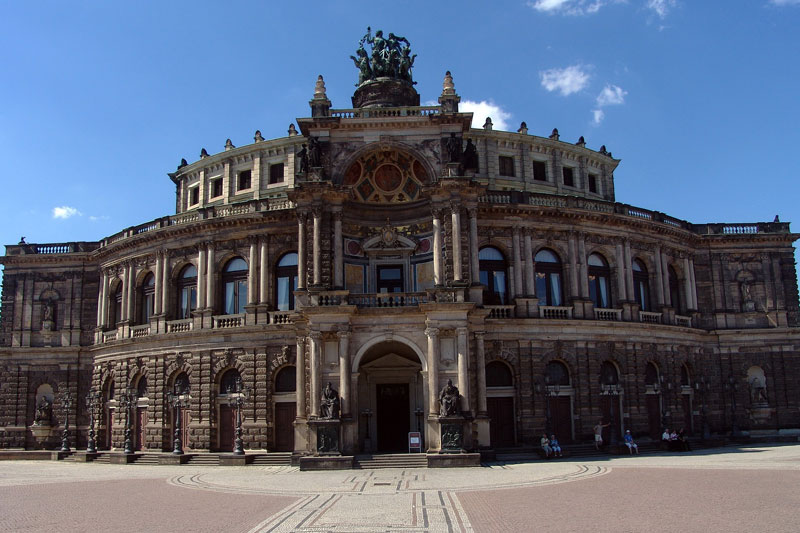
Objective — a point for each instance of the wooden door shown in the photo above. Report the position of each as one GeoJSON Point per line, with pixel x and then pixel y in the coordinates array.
{"type": "Point", "coordinates": [501, 421]}
{"type": "Point", "coordinates": [140, 434]}
{"type": "Point", "coordinates": [184, 434]}
{"type": "Point", "coordinates": [561, 416]}
{"type": "Point", "coordinates": [610, 404]}
{"type": "Point", "coordinates": [654, 416]}
{"type": "Point", "coordinates": [686, 402]}
{"type": "Point", "coordinates": [284, 426]}
{"type": "Point", "coordinates": [227, 427]}
{"type": "Point", "coordinates": [393, 417]}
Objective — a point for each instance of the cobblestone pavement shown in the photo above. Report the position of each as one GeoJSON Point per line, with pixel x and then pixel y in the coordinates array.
{"type": "Point", "coordinates": [731, 489]}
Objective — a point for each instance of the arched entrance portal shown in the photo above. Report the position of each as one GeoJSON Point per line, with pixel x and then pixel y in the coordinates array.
{"type": "Point", "coordinates": [391, 396]}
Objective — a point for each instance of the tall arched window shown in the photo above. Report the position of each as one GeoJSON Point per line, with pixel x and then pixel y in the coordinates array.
{"type": "Point", "coordinates": [641, 285]}
{"type": "Point", "coordinates": [148, 298]}
{"type": "Point", "coordinates": [548, 278]}
{"type": "Point", "coordinates": [115, 309]}
{"type": "Point", "coordinates": [609, 374]}
{"type": "Point", "coordinates": [141, 387]}
{"type": "Point", "coordinates": [286, 281]}
{"type": "Point", "coordinates": [492, 266]}
{"type": "Point", "coordinates": [229, 382]}
{"type": "Point", "coordinates": [557, 373]}
{"type": "Point", "coordinates": [498, 375]}
{"type": "Point", "coordinates": [234, 283]}
{"type": "Point", "coordinates": [286, 380]}
{"type": "Point", "coordinates": [599, 275]}
{"type": "Point", "coordinates": [674, 290]}
{"type": "Point", "coordinates": [187, 291]}
{"type": "Point", "coordinates": [651, 374]}
{"type": "Point", "coordinates": [686, 376]}
{"type": "Point", "coordinates": [181, 384]}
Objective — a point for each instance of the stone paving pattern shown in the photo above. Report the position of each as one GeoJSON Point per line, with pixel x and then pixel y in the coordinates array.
{"type": "Point", "coordinates": [731, 489]}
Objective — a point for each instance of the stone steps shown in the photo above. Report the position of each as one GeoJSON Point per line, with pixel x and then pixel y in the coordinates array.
{"type": "Point", "coordinates": [147, 459]}
{"type": "Point", "coordinates": [204, 459]}
{"type": "Point", "coordinates": [395, 460]}
{"type": "Point", "coordinates": [272, 459]}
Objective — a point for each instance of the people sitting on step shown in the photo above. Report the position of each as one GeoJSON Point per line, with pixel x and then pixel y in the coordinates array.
{"type": "Point", "coordinates": [555, 446]}
{"type": "Point", "coordinates": [632, 446]}
{"type": "Point", "coordinates": [545, 443]}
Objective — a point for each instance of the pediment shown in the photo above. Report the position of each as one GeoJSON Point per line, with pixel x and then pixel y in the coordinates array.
{"type": "Point", "coordinates": [392, 360]}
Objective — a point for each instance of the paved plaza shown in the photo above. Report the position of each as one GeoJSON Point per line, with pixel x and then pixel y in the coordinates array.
{"type": "Point", "coordinates": [727, 489]}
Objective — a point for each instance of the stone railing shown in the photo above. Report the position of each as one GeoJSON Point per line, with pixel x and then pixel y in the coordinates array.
{"type": "Point", "coordinates": [180, 326]}
{"type": "Point", "coordinates": [328, 298]}
{"type": "Point", "coordinates": [389, 299]}
{"type": "Point", "coordinates": [685, 321]}
{"type": "Point", "coordinates": [649, 317]}
{"type": "Point", "coordinates": [137, 332]}
{"type": "Point", "coordinates": [109, 336]}
{"type": "Point", "coordinates": [386, 112]}
{"type": "Point", "coordinates": [228, 321]}
{"type": "Point", "coordinates": [281, 317]}
{"type": "Point", "coordinates": [500, 311]}
{"type": "Point", "coordinates": [52, 248]}
{"type": "Point", "coordinates": [608, 314]}
{"type": "Point", "coordinates": [552, 311]}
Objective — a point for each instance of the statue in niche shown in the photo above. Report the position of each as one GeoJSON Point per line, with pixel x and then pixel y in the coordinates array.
{"type": "Point", "coordinates": [745, 287]}
{"type": "Point", "coordinates": [44, 412]}
{"type": "Point", "coordinates": [302, 160]}
{"type": "Point", "coordinates": [329, 403]}
{"type": "Point", "coordinates": [453, 147]}
{"type": "Point", "coordinates": [469, 159]}
{"type": "Point", "coordinates": [448, 400]}
{"type": "Point", "coordinates": [758, 391]}
{"type": "Point", "coordinates": [314, 155]}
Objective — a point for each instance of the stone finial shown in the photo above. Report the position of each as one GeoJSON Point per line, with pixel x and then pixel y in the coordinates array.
{"type": "Point", "coordinates": [319, 89]}
{"type": "Point", "coordinates": [554, 135]}
{"type": "Point", "coordinates": [523, 128]}
{"type": "Point", "coordinates": [292, 130]}
{"type": "Point", "coordinates": [183, 163]}
{"type": "Point", "coordinates": [777, 219]}
{"type": "Point", "coordinates": [258, 138]}
{"type": "Point", "coordinates": [488, 124]}
{"type": "Point", "coordinates": [203, 153]}
{"type": "Point", "coordinates": [581, 141]}
{"type": "Point", "coordinates": [448, 87]}
{"type": "Point", "coordinates": [229, 145]}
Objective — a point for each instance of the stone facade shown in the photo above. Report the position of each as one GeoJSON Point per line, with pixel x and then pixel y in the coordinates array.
{"type": "Point", "coordinates": [361, 251]}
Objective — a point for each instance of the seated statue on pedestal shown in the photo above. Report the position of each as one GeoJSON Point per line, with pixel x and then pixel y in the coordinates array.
{"type": "Point", "coordinates": [329, 403]}
{"type": "Point", "coordinates": [448, 400]}
{"type": "Point", "coordinates": [44, 412]}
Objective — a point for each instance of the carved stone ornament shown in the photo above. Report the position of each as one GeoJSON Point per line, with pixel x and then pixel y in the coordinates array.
{"type": "Point", "coordinates": [452, 437]}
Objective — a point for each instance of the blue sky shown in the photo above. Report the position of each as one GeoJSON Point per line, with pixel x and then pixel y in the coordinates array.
{"type": "Point", "coordinates": [100, 100]}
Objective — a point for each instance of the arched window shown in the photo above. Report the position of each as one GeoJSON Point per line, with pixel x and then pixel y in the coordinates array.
{"type": "Point", "coordinates": [286, 281]}
{"type": "Point", "coordinates": [141, 387]}
{"type": "Point", "coordinates": [286, 381]}
{"type": "Point", "coordinates": [686, 376]}
{"type": "Point", "coordinates": [115, 309]}
{"type": "Point", "coordinates": [492, 266]}
{"type": "Point", "coordinates": [230, 381]}
{"type": "Point", "coordinates": [148, 298]}
{"type": "Point", "coordinates": [181, 385]}
{"type": "Point", "coordinates": [109, 392]}
{"type": "Point", "coordinates": [234, 283]}
{"type": "Point", "coordinates": [498, 375]}
{"type": "Point", "coordinates": [674, 290]}
{"type": "Point", "coordinates": [609, 374]}
{"type": "Point", "coordinates": [548, 278]}
{"type": "Point", "coordinates": [641, 285]}
{"type": "Point", "coordinates": [187, 291]}
{"type": "Point", "coordinates": [599, 275]}
{"type": "Point", "coordinates": [557, 373]}
{"type": "Point", "coordinates": [651, 374]}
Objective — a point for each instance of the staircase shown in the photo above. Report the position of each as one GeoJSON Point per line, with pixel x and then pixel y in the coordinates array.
{"type": "Point", "coordinates": [391, 460]}
{"type": "Point", "coordinates": [147, 459]}
{"type": "Point", "coordinates": [203, 459]}
{"type": "Point", "coordinates": [272, 459]}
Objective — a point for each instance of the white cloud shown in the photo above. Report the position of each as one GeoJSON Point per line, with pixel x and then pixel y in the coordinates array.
{"type": "Point", "coordinates": [481, 110]}
{"type": "Point", "coordinates": [785, 2]}
{"type": "Point", "coordinates": [93, 218]}
{"type": "Point", "coordinates": [567, 7]}
{"type": "Point", "coordinates": [64, 212]}
{"type": "Point", "coordinates": [611, 95]}
{"type": "Point", "coordinates": [661, 7]}
{"type": "Point", "coordinates": [566, 80]}
{"type": "Point", "coordinates": [597, 116]}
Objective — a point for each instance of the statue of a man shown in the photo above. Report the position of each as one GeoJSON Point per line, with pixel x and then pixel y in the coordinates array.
{"type": "Point", "coordinates": [329, 403]}
{"type": "Point", "coordinates": [314, 156]}
{"type": "Point", "coordinates": [448, 400]}
{"type": "Point", "coordinates": [362, 63]}
{"type": "Point", "coordinates": [406, 62]}
{"type": "Point", "coordinates": [469, 158]}
{"type": "Point", "coordinates": [302, 160]}
{"type": "Point", "coordinates": [44, 412]}
{"type": "Point", "coordinates": [453, 146]}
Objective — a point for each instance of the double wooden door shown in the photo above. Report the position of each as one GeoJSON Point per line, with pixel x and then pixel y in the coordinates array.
{"type": "Point", "coordinates": [561, 418]}
{"type": "Point", "coordinates": [227, 427]}
{"type": "Point", "coordinates": [284, 426]}
{"type": "Point", "coordinates": [501, 421]}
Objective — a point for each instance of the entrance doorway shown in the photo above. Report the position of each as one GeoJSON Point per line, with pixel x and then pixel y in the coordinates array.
{"type": "Point", "coordinates": [393, 417]}
{"type": "Point", "coordinates": [611, 415]}
{"type": "Point", "coordinates": [389, 278]}
{"type": "Point", "coordinates": [227, 427]}
{"type": "Point", "coordinates": [284, 426]}
{"type": "Point", "coordinates": [140, 435]}
{"type": "Point", "coordinates": [561, 411]}
{"type": "Point", "coordinates": [654, 416]}
{"type": "Point", "coordinates": [501, 421]}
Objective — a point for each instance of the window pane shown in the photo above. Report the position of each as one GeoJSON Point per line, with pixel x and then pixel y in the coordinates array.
{"type": "Point", "coordinates": [229, 298]}
{"type": "Point", "coordinates": [283, 294]}
{"type": "Point", "coordinates": [492, 254]}
{"type": "Point", "coordinates": [546, 256]}
{"type": "Point", "coordinates": [541, 288]}
{"type": "Point", "coordinates": [500, 285]}
{"type": "Point", "coordinates": [288, 260]}
{"type": "Point", "coordinates": [555, 288]}
{"type": "Point", "coordinates": [189, 272]}
{"type": "Point", "coordinates": [603, 292]}
{"type": "Point", "coordinates": [242, 297]}
{"type": "Point", "coordinates": [236, 265]}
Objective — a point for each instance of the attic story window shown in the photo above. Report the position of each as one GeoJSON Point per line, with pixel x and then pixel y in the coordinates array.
{"type": "Point", "coordinates": [506, 164]}
{"type": "Point", "coordinates": [569, 179]}
{"type": "Point", "coordinates": [216, 188]}
{"type": "Point", "coordinates": [244, 180]}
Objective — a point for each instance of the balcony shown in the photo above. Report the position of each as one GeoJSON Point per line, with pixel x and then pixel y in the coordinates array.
{"type": "Point", "coordinates": [556, 312]}
{"type": "Point", "coordinates": [389, 299]}
{"type": "Point", "coordinates": [614, 315]}
{"type": "Point", "coordinates": [649, 318]}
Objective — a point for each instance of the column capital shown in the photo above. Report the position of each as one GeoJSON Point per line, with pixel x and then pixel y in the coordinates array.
{"type": "Point", "coordinates": [301, 341]}
{"type": "Point", "coordinates": [301, 215]}
{"type": "Point", "coordinates": [315, 335]}
{"type": "Point", "coordinates": [337, 213]}
{"type": "Point", "coordinates": [472, 211]}
{"type": "Point", "coordinates": [479, 335]}
{"type": "Point", "coordinates": [436, 211]}
{"type": "Point", "coordinates": [431, 332]}
{"type": "Point", "coordinates": [343, 334]}
{"type": "Point", "coordinates": [462, 330]}
{"type": "Point", "coordinates": [316, 211]}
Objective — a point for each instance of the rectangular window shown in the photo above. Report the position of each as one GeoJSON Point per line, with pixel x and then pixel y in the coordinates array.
{"type": "Point", "coordinates": [216, 188]}
{"type": "Point", "coordinates": [194, 196]}
{"type": "Point", "coordinates": [569, 179]}
{"type": "Point", "coordinates": [276, 173]}
{"type": "Point", "coordinates": [539, 171]}
{"type": "Point", "coordinates": [592, 183]}
{"type": "Point", "coordinates": [244, 180]}
{"type": "Point", "coordinates": [506, 165]}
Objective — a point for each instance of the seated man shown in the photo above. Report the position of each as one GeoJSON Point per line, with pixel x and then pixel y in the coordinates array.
{"type": "Point", "coordinates": [630, 444]}
{"type": "Point", "coordinates": [555, 446]}
{"type": "Point", "coordinates": [545, 442]}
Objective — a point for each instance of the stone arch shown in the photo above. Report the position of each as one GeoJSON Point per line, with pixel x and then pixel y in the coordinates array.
{"type": "Point", "coordinates": [511, 371]}
{"type": "Point", "coordinates": [340, 168]}
{"type": "Point", "coordinates": [389, 337]}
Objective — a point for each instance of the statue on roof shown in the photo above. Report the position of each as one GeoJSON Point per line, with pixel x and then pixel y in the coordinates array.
{"type": "Point", "coordinates": [389, 57]}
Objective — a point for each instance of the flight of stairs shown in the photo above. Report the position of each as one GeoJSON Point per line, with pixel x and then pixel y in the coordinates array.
{"type": "Point", "coordinates": [391, 460]}
{"type": "Point", "coordinates": [272, 459]}
{"type": "Point", "coordinates": [203, 459]}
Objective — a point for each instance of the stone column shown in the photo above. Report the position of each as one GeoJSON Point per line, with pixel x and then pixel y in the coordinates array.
{"type": "Point", "coordinates": [463, 367]}
{"type": "Point", "coordinates": [437, 249]}
{"type": "Point", "coordinates": [301, 250]}
{"type": "Point", "coordinates": [257, 176]}
{"type": "Point", "coordinates": [662, 282]}
{"type": "Point", "coordinates": [665, 272]}
{"type": "Point", "coordinates": [433, 370]}
{"type": "Point", "coordinates": [573, 265]}
{"type": "Point", "coordinates": [687, 286]}
{"type": "Point", "coordinates": [517, 261]}
{"type": "Point", "coordinates": [583, 270]}
{"type": "Point", "coordinates": [474, 262]}
{"type": "Point", "coordinates": [530, 286]}
{"type": "Point", "coordinates": [300, 378]}
{"type": "Point", "coordinates": [456, 222]}
{"type": "Point", "coordinates": [102, 304]}
{"type": "Point", "coordinates": [338, 255]}
{"type": "Point", "coordinates": [210, 268]}
{"type": "Point", "coordinates": [165, 272]}
{"type": "Point", "coordinates": [157, 289]}
{"type": "Point", "coordinates": [344, 372]}
{"type": "Point", "coordinates": [226, 181]}
{"type": "Point", "coordinates": [481, 372]}
{"type": "Point", "coordinates": [621, 286]}
{"type": "Point", "coordinates": [129, 302]}
{"type": "Point", "coordinates": [263, 274]}
{"type": "Point", "coordinates": [316, 345]}
{"type": "Point", "coordinates": [317, 249]}
{"type": "Point", "coordinates": [252, 272]}
{"type": "Point", "coordinates": [628, 270]}
{"type": "Point", "coordinates": [693, 284]}
{"type": "Point", "coordinates": [201, 277]}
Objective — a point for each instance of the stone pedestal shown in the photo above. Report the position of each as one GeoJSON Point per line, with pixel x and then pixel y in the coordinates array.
{"type": "Point", "coordinates": [233, 460]}
{"type": "Point", "coordinates": [454, 434]}
{"type": "Point", "coordinates": [172, 459]}
{"type": "Point", "coordinates": [326, 435]}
